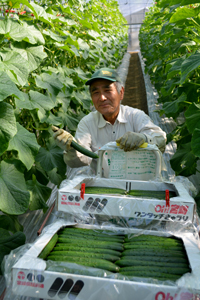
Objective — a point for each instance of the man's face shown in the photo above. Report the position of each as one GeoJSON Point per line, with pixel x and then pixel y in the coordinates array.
{"type": "Point", "coordinates": [105, 98]}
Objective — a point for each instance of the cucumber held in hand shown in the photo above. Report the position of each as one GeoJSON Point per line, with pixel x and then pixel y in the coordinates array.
{"type": "Point", "coordinates": [78, 147]}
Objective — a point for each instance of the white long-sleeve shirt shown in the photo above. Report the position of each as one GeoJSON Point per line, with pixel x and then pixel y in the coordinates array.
{"type": "Point", "coordinates": [94, 131]}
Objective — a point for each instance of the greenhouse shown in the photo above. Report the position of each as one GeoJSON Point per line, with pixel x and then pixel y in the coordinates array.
{"type": "Point", "coordinates": [99, 147]}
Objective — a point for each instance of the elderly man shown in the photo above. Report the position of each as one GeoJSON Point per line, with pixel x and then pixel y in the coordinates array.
{"type": "Point", "coordinates": [111, 121]}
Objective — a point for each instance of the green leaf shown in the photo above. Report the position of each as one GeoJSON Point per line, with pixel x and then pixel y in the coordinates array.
{"type": "Point", "coordinates": [13, 62]}
{"type": "Point", "coordinates": [36, 100]}
{"type": "Point", "coordinates": [81, 74]}
{"type": "Point", "coordinates": [55, 177]}
{"type": "Point", "coordinates": [64, 99]}
{"type": "Point", "coordinates": [85, 23]}
{"type": "Point", "coordinates": [14, 197]}
{"type": "Point", "coordinates": [71, 122]}
{"type": "Point", "coordinates": [49, 82]}
{"type": "Point", "coordinates": [93, 34]}
{"type": "Point", "coordinates": [8, 88]}
{"type": "Point", "coordinates": [54, 36]}
{"type": "Point", "coordinates": [25, 143]}
{"type": "Point", "coordinates": [8, 243]}
{"type": "Point", "coordinates": [83, 45]}
{"type": "Point", "coordinates": [10, 223]}
{"type": "Point", "coordinates": [170, 108]}
{"type": "Point", "coordinates": [183, 161]}
{"type": "Point", "coordinates": [51, 158]}
{"type": "Point", "coordinates": [68, 120]}
{"type": "Point", "coordinates": [18, 3]}
{"type": "Point", "coordinates": [187, 2]}
{"type": "Point", "coordinates": [20, 31]}
{"type": "Point", "coordinates": [195, 142]}
{"type": "Point", "coordinates": [192, 116]}
{"type": "Point", "coordinates": [8, 127]}
{"type": "Point", "coordinates": [51, 119]}
{"type": "Point", "coordinates": [39, 195]}
{"type": "Point", "coordinates": [184, 13]}
{"type": "Point", "coordinates": [33, 55]}
{"type": "Point", "coordinates": [189, 64]}
{"type": "Point", "coordinates": [41, 13]}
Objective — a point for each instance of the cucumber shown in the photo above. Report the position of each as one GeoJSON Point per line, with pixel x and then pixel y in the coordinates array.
{"type": "Point", "coordinates": [49, 247]}
{"type": "Point", "coordinates": [83, 150]}
{"type": "Point", "coordinates": [154, 238]}
{"type": "Point", "coordinates": [152, 246]}
{"type": "Point", "coordinates": [89, 262]}
{"type": "Point", "coordinates": [136, 262]}
{"type": "Point", "coordinates": [104, 190]}
{"type": "Point", "coordinates": [94, 238]}
{"type": "Point", "coordinates": [150, 194]}
{"type": "Point", "coordinates": [157, 243]}
{"type": "Point", "coordinates": [62, 247]}
{"type": "Point", "coordinates": [91, 232]}
{"type": "Point", "coordinates": [86, 255]}
{"type": "Point", "coordinates": [163, 253]}
{"type": "Point", "coordinates": [164, 269]}
{"type": "Point", "coordinates": [85, 243]}
{"type": "Point", "coordinates": [78, 147]}
{"type": "Point", "coordinates": [150, 274]}
{"type": "Point", "coordinates": [130, 260]}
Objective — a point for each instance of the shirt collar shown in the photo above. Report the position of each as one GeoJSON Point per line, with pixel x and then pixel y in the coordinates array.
{"type": "Point", "coordinates": [120, 118]}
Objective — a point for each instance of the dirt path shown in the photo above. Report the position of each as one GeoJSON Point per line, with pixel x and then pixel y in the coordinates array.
{"type": "Point", "coordinates": [135, 92]}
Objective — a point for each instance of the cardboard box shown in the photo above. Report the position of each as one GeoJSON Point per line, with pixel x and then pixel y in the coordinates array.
{"type": "Point", "coordinates": [179, 210]}
{"type": "Point", "coordinates": [29, 277]}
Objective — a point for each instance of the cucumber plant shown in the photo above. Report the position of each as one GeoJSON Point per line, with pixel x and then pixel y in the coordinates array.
{"type": "Point", "coordinates": [48, 50]}
{"type": "Point", "coordinates": [169, 41]}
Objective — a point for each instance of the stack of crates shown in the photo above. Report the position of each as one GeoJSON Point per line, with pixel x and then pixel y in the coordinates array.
{"type": "Point", "coordinates": [128, 198]}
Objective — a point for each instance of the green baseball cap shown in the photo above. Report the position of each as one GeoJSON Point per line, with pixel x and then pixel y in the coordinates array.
{"type": "Point", "coordinates": [104, 73]}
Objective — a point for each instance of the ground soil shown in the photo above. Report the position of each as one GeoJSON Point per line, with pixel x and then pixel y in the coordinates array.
{"type": "Point", "coordinates": [135, 91]}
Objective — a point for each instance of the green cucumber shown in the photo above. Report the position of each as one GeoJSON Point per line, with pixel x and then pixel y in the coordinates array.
{"type": "Point", "coordinates": [49, 247]}
{"type": "Point", "coordinates": [164, 269]}
{"type": "Point", "coordinates": [86, 255]}
{"type": "Point", "coordinates": [161, 242]}
{"type": "Point", "coordinates": [130, 260]}
{"type": "Point", "coordinates": [93, 238]}
{"type": "Point", "coordinates": [152, 246]}
{"type": "Point", "coordinates": [147, 252]}
{"type": "Point", "coordinates": [137, 262]}
{"type": "Point", "coordinates": [92, 232]}
{"type": "Point", "coordinates": [78, 147]}
{"type": "Point", "coordinates": [89, 262]}
{"type": "Point", "coordinates": [63, 247]}
{"type": "Point", "coordinates": [150, 274]}
{"type": "Point", "coordinates": [150, 194]}
{"type": "Point", "coordinates": [85, 243]}
{"type": "Point", "coordinates": [83, 150]}
{"type": "Point", "coordinates": [104, 190]}
{"type": "Point", "coordinates": [152, 238]}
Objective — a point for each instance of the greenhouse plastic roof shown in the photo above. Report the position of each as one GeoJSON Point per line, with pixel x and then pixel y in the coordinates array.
{"type": "Point", "coordinates": [128, 7]}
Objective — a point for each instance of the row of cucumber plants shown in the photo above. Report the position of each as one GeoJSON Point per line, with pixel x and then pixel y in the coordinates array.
{"type": "Point", "coordinates": [170, 41]}
{"type": "Point", "coordinates": [48, 49]}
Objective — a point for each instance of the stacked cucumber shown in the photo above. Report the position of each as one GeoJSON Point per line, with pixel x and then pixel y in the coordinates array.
{"type": "Point", "coordinates": [132, 256]}
{"type": "Point", "coordinates": [153, 256]}
{"type": "Point", "coordinates": [136, 193]}
{"type": "Point", "coordinates": [88, 248]}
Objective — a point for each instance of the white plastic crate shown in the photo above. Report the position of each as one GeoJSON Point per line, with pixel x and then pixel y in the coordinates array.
{"type": "Point", "coordinates": [29, 277]}
{"type": "Point", "coordinates": [180, 209]}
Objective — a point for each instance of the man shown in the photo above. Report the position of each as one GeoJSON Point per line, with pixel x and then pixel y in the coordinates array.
{"type": "Point", "coordinates": [111, 121]}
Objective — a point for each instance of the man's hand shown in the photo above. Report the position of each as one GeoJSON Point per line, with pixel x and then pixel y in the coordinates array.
{"type": "Point", "coordinates": [63, 138]}
{"type": "Point", "coordinates": [131, 141]}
